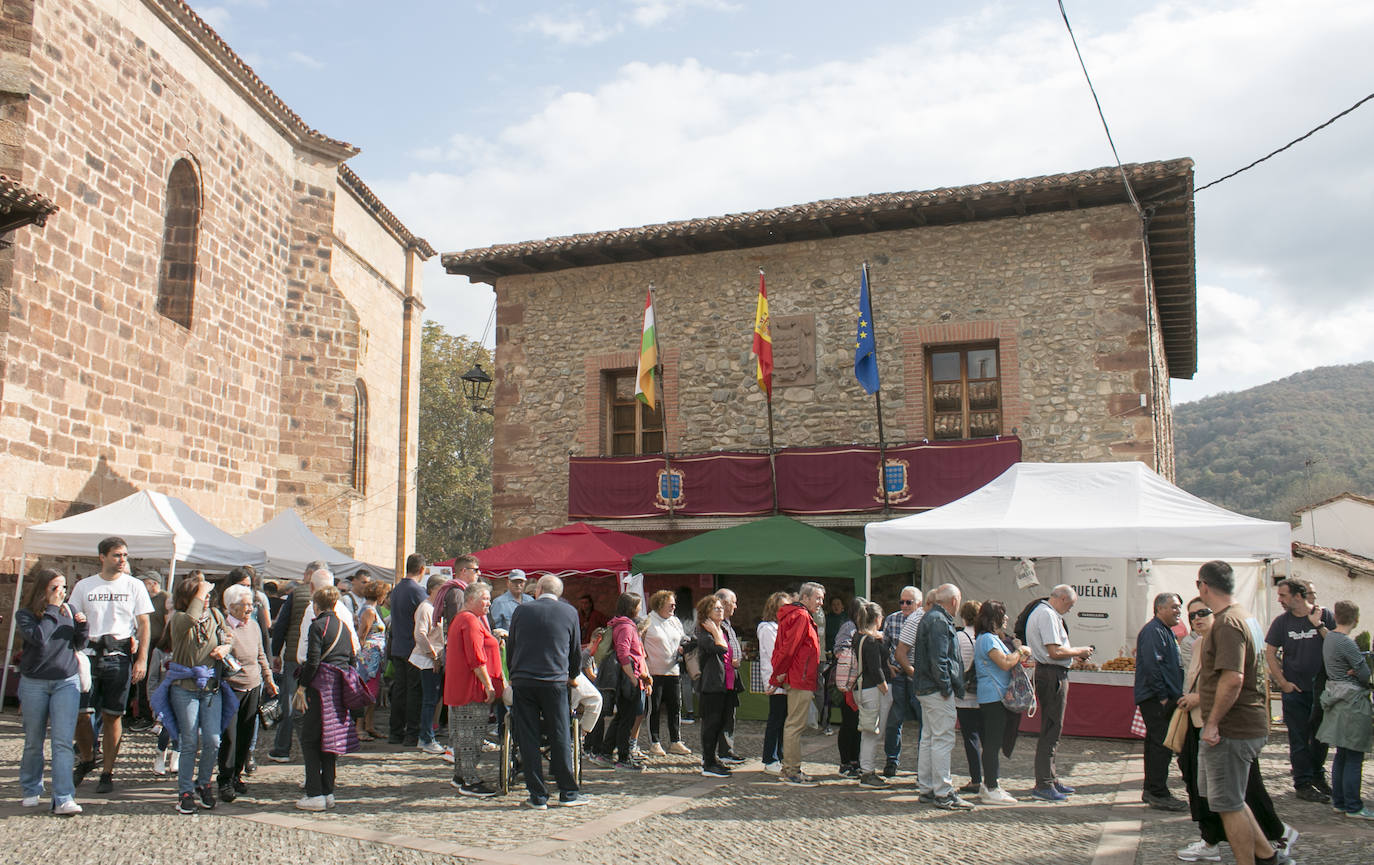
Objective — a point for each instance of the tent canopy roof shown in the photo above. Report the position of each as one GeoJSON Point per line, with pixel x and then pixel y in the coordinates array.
{"type": "Point", "coordinates": [776, 545]}
{"type": "Point", "coordinates": [573, 549]}
{"type": "Point", "coordinates": [1111, 510]}
{"type": "Point", "coordinates": [155, 526]}
{"type": "Point", "coordinates": [290, 546]}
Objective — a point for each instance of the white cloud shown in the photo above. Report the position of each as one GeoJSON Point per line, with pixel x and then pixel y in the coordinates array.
{"type": "Point", "coordinates": [648, 13]}
{"type": "Point", "coordinates": [304, 59]}
{"type": "Point", "coordinates": [572, 27]}
{"type": "Point", "coordinates": [975, 100]}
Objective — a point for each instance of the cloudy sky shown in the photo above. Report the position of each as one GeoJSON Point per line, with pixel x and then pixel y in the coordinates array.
{"type": "Point", "coordinates": [489, 122]}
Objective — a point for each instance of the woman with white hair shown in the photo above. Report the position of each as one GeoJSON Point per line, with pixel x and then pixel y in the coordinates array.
{"type": "Point", "coordinates": [247, 671]}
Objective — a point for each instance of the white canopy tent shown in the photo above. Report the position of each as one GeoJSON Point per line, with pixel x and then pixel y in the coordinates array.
{"type": "Point", "coordinates": [1117, 510]}
{"type": "Point", "coordinates": [290, 546]}
{"type": "Point", "coordinates": [1117, 532]}
{"type": "Point", "coordinates": [155, 526]}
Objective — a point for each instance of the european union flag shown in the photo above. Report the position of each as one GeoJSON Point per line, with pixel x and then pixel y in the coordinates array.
{"type": "Point", "coordinates": [865, 346]}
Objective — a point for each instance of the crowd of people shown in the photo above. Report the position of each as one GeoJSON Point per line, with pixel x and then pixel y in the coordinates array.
{"type": "Point", "coordinates": [213, 663]}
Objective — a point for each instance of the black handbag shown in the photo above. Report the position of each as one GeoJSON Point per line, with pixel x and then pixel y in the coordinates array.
{"type": "Point", "coordinates": [269, 713]}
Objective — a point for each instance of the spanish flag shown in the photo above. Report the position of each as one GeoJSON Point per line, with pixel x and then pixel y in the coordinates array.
{"type": "Point", "coordinates": [648, 355]}
{"type": "Point", "coordinates": [763, 341]}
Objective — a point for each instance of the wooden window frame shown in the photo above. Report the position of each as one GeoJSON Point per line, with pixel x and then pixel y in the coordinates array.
{"type": "Point", "coordinates": [963, 348]}
{"type": "Point", "coordinates": [609, 405]}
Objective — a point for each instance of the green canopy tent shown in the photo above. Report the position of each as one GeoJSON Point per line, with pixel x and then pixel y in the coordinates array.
{"type": "Point", "coordinates": [776, 545]}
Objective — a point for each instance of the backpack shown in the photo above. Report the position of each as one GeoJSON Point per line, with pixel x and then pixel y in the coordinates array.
{"type": "Point", "coordinates": [1019, 629]}
{"type": "Point", "coordinates": [853, 680]}
{"type": "Point", "coordinates": [847, 669]}
{"type": "Point", "coordinates": [1020, 693]}
{"type": "Point", "coordinates": [601, 644]}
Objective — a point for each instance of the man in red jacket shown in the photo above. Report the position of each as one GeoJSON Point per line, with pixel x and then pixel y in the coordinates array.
{"type": "Point", "coordinates": [796, 659]}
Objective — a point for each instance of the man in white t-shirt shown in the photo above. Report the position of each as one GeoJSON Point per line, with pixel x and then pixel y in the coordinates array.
{"type": "Point", "coordinates": [1048, 638]}
{"type": "Point", "coordinates": [116, 606]}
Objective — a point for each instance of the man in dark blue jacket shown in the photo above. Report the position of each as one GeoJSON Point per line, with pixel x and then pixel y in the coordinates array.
{"type": "Point", "coordinates": [544, 658]}
{"type": "Point", "coordinates": [1158, 685]}
{"type": "Point", "coordinates": [406, 597]}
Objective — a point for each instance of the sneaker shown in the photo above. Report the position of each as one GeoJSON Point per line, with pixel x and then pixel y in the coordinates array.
{"type": "Point", "coordinates": [207, 797]}
{"type": "Point", "coordinates": [186, 803]}
{"type": "Point", "coordinates": [30, 801]}
{"type": "Point", "coordinates": [688, 719]}
{"type": "Point", "coordinates": [732, 760]}
{"type": "Point", "coordinates": [872, 779]}
{"type": "Point", "coordinates": [106, 783]}
{"type": "Point", "coordinates": [890, 769]}
{"type": "Point", "coordinates": [533, 805]}
{"type": "Point", "coordinates": [279, 758]}
{"type": "Point", "coordinates": [81, 770]}
{"type": "Point", "coordinates": [799, 779]}
{"type": "Point", "coordinates": [226, 793]}
{"type": "Point", "coordinates": [828, 731]}
{"type": "Point", "coordinates": [971, 787]}
{"type": "Point", "coordinates": [312, 803]}
{"type": "Point", "coordinates": [250, 767]}
{"type": "Point", "coordinates": [657, 750]}
{"type": "Point", "coordinates": [488, 747]}
{"type": "Point", "coordinates": [1164, 803]}
{"type": "Point", "coordinates": [995, 796]}
{"type": "Point", "coordinates": [679, 748]}
{"type": "Point", "coordinates": [240, 786]}
{"type": "Point", "coordinates": [67, 808]}
{"type": "Point", "coordinates": [1308, 793]}
{"type": "Point", "coordinates": [601, 760]}
{"type": "Point", "coordinates": [448, 755]}
{"type": "Point", "coordinates": [1362, 814]}
{"type": "Point", "coordinates": [636, 752]}
{"type": "Point", "coordinates": [1048, 794]}
{"type": "Point", "coordinates": [1064, 788]}
{"type": "Point", "coordinates": [329, 800]}
{"type": "Point", "coordinates": [629, 765]}
{"type": "Point", "coordinates": [1289, 839]}
{"type": "Point", "coordinates": [573, 800]}
{"type": "Point", "coordinates": [849, 770]}
{"type": "Point", "coordinates": [1320, 783]}
{"type": "Point", "coordinates": [173, 762]}
{"type": "Point", "coordinates": [925, 799]}
{"type": "Point", "coordinates": [953, 802]}
{"type": "Point", "coordinates": [1200, 851]}
{"type": "Point", "coordinates": [160, 764]}
{"type": "Point", "coordinates": [716, 771]}
{"type": "Point", "coordinates": [476, 791]}
{"type": "Point", "coordinates": [772, 768]}
{"type": "Point", "coordinates": [432, 747]}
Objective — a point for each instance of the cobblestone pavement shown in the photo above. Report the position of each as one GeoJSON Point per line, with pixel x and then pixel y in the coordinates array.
{"type": "Point", "coordinates": [395, 806]}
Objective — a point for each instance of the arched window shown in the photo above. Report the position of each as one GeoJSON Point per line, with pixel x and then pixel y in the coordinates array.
{"type": "Point", "coordinates": [360, 436]}
{"type": "Point", "coordinates": [176, 283]}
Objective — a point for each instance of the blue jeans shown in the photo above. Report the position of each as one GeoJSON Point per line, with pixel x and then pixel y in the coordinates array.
{"type": "Point", "coordinates": [196, 711]}
{"type": "Point", "coordinates": [430, 684]}
{"type": "Point", "coordinates": [1307, 755]}
{"type": "Point", "coordinates": [44, 701]}
{"type": "Point", "coordinates": [905, 707]}
{"type": "Point", "coordinates": [1346, 770]}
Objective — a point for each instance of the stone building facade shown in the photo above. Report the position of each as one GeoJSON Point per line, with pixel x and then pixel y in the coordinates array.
{"type": "Point", "coordinates": [220, 309]}
{"type": "Point", "coordinates": [1084, 306]}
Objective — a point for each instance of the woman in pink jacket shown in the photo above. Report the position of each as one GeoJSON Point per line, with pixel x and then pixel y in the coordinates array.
{"type": "Point", "coordinates": [634, 681]}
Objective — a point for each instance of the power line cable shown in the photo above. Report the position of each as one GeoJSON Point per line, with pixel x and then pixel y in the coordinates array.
{"type": "Point", "coordinates": [1105, 128]}
{"type": "Point", "coordinates": [1309, 134]}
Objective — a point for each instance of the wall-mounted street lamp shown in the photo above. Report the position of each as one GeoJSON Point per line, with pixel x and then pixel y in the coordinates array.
{"type": "Point", "coordinates": [476, 387]}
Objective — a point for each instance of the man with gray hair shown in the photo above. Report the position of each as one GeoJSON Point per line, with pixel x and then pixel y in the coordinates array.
{"type": "Point", "coordinates": [544, 658]}
{"type": "Point", "coordinates": [1158, 685]}
{"type": "Point", "coordinates": [905, 706]}
{"type": "Point", "coordinates": [1048, 638]}
{"type": "Point", "coordinates": [796, 663]}
{"type": "Point", "coordinates": [939, 679]}
{"type": "Point", "coordinates": [286, 636]}
{"type": "Point", "coordinates": [729, 603]}
{"type": "Point", "coordinates": [323, 579]}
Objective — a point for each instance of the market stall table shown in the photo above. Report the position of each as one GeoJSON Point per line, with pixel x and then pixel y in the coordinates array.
{"type": "Point", "coordinates": [1101, 704]}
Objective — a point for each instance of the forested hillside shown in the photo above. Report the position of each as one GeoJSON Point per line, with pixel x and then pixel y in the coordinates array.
{"type": "Point", "coordinates": [1273, 448]}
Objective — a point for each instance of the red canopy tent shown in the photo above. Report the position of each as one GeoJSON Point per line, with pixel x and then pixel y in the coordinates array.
{"type": "Point", "coordinates": [577, 549]}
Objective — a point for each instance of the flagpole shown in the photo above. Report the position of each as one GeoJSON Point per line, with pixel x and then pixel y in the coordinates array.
{"type": "Point", "coordinates": [663, 405]}
{"type": "Point", "coordinates": [768, 398]}
{"type": "Point", "coordinates": [878, 400]}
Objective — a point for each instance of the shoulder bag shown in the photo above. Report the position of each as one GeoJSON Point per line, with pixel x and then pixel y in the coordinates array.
{"type": "Point", "coordinates": [1020, 694]}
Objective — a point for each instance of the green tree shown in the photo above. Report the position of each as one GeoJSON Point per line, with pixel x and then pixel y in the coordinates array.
{"type": "Point", "coordinates": [453, 487]}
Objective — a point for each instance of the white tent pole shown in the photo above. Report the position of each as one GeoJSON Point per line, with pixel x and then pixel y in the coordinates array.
{"type": "Point", "coordinates": [868, 576]}
{"type": "Point", "coordinates": [9, 642]}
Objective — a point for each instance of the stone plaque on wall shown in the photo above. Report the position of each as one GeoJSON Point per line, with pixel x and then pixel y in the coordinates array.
{"type": "Point", "coordinates": [794, 350]}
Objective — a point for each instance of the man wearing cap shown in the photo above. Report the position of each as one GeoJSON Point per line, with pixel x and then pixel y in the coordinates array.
{"type": "Point", "coordinates": [502, 607]}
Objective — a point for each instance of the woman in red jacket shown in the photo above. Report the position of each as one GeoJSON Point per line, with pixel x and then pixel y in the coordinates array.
{"type": "Point", "coordinates": [472, 682]}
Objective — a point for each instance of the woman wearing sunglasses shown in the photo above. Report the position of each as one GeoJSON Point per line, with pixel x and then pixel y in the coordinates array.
{"type": "Point", "coordinates": [1279, 833]}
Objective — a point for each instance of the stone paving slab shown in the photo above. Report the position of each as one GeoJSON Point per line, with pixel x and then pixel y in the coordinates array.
{"type": "Point", "coordinates": [396, 807]}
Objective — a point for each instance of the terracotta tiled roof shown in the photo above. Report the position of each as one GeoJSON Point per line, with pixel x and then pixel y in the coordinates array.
{"type": "Point", "coordinates": [1340, 558]}
{"type": "Point", "coordinates": [1165, 190]}
{"type": "Point", "coordinates": [20, 205]}
{"type": "Point", "coordinates": [1354, 497]}
{"type": "Point", "coordinates": [183, 21]}
{"type": "Point", "coordinates": [369, 200]}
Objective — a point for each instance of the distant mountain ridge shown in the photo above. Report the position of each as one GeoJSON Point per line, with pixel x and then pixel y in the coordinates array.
{"type": "Point", "coordinates": [1271, 449]}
